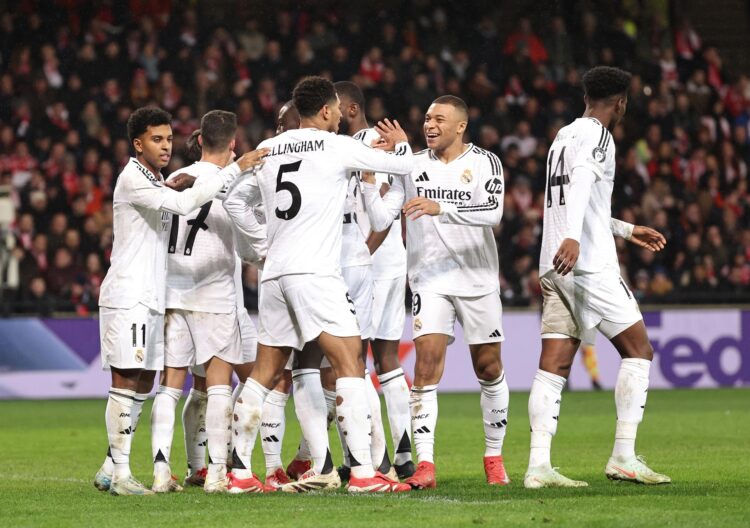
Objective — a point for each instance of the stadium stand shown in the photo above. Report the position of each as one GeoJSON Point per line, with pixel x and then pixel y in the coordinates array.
{"type": "Point", "coordinates": [71, 72]}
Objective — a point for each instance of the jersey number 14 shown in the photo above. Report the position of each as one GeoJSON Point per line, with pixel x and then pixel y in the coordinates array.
{"type": "Point", "coordinates": [556, 177]}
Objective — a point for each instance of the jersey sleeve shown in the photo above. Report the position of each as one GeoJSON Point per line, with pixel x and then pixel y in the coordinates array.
{"type": "Point", "coordinates": [241, 199]}
{"type": "Point", "coordinates": [153, 195]}
{"type": "Point", "coordinates": [487, 209]}
{"type": "Point", "coordinates": [356, 156]}
{"type": "Point", "coordinates": [591, 152]}
{"type": "Point", "coordinates": [621, 228]}
{"type": "Point", "coordinates": [382, 211]}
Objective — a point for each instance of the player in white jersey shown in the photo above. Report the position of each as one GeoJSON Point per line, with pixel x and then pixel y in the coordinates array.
{"type": "Point", "coordinates": [133, 292]}
{"type": "Point", "coordinates": [303, 296]}
{"type": "Point", "coordinates": [206, 324]}
{"type": "Point", "coordinates": [454, 197]}
{"type": "Point", "coordinates": [577, 237]}
{"type": "Point", "coordinates": [386, 270]}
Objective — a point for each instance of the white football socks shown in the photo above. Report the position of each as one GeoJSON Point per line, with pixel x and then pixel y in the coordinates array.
{"type": "Point", "coordinates": [631, 391]}
{"type": "Point", "coordinates": [330, 397]}
{"type": "Point", "coordinates": [162, 426]}
{"type": "Point", "coordinates": [396, 394]}
{"type": "Point", "coordinates": [248, 412]}
{"type": "Point", "coordinates": [272, 428]}
{"type": "Point", "coordinates": [218, 426]}
{"type": "Point", "coordinates": [544, 411]}
{"type": "Point", "coordinates": [194, 428]}
{"type": "Point", "coordinates": [310, 406]}
{"type": "Point", "coordinates": [119, 424]}
{"type": "Point", "coordinates": [237, 391]}
{"type": "Point", "coordinates": [378, 447]}
{"type": "Point", "coordinates": [494, 403]}
{"type": "Point", "coordinates": [352, 414]}
{"type": "Point", "coordinates": [108, 467]}
{"type": "Point", "coordinates": [423, 406]}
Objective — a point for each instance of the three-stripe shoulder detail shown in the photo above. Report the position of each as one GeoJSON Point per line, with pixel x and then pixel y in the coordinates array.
{"type": "Point", "coordinates": [497, 168]}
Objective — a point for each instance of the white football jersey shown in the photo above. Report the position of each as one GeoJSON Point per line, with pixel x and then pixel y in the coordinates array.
{"type": "Point", "coordinates": [453, 253]}
{"type": "Point", "coordinates": [354, 250]}
{"type": "Point", "coordinates": [201, 254]}
{"type": "Point", "coordinates": [142, 208]}
{"type": "Point", "coordinates": [389, 260]}
{"type": "Point", "coordinates": [302, 185]}
{"type": "Point", "coordinates": [584, 145]}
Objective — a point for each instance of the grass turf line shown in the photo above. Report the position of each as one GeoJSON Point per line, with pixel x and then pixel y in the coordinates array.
{"type": "Point", "coordinates": [52, 449]}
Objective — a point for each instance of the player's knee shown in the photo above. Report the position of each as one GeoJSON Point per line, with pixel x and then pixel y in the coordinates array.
{"type": "Point", "coordinates": [488, 371]}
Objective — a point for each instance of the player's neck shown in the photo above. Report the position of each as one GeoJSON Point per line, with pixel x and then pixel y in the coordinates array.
{"type": "Point", "coordinates": [156, 172]}
{"type": "Point", "coordinates": [313, 122]}
{"type": "Point", "coordinates": [221, 159]}
{"type": "Point", "coordinates": [600, 114]}
{"type": "Point", "coordinates": [358, 125]}
{"type": "Point", "coordinates": [451, 152]}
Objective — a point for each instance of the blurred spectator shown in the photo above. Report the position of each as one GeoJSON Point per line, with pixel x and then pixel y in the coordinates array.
{"type": "Point", "coordinates": [682, 151]}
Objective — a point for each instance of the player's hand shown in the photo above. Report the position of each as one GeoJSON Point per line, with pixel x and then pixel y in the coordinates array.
{"type": "Point", "coordinates": [180, 182]}
{"type": "Point", "coordinates": [391, 134]}
{"type": "Point", "coordinates": [648, 238]}
{"type": "Point", "coordinates": [417, 207]}
{"type": "Point", "coordinates": [368, 177]}
{"type": "Point", "coordinates": [566, 256]}
{"type": "Point", "coordinates": [252, 159]}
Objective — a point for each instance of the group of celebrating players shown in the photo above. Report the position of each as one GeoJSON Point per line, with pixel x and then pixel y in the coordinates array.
{"type": "Point", "coordinates": [314, 208]}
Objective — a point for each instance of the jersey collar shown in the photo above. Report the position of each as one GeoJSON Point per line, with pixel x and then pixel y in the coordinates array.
{"type": "Point", "coordinates": [145, 170]}
{"type": "Point", "coordinates": [469, 147]}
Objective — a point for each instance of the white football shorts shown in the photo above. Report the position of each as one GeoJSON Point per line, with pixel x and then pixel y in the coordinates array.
{"type": "Point", "coordinates": [575, 304]}
{"type": "Point", "coordinates": [358, 281]}
{"type": "Point", "coordinates": [388, 312]}
{"type": "Point", "coordinates": [480, 317]}
{"type": "Point", "coordinates": [192, 338]}
{"type": "Point", "coordinates": [295, 309]}
{"type": "Point", "coordinates": [131, 338]}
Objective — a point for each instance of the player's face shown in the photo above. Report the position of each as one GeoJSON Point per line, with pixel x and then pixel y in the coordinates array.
{"type": "Point", "coordinates": [443, 125]}
{"type": "Point", "coordinates": [155, 145]}
{"type": "Point", "coordinates": [334, 115]}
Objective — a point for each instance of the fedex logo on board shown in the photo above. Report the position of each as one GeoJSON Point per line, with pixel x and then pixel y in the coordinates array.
{"type": "Point", "coordinates": [701, 348]}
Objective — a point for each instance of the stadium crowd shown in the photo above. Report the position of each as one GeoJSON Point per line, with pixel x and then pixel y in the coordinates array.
{"type": "Point", "coordinates": [71, 73]}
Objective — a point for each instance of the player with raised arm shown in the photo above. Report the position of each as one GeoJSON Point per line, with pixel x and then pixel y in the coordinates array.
{"type": "Point", "coordinates": [388, 274]}
{"type": "Point", "coordinates": [578, 237]}
{"type": "Point", "coordinates": [133, 292]}
{"type": "Point", "coordinates": [206, 324]}
{"type": "Point", "coordinates": [303, 297]}
{"type": "Point", "coordinates": [454, 197]}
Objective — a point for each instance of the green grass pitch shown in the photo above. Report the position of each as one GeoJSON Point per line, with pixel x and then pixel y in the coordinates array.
{"type": "Point", "coordinates": [701, 438]}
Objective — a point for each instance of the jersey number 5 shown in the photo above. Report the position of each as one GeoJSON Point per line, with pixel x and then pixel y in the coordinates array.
{"type": "Point", "coordinates": [281, 185]}
{"type": "Point", "coordinates": [556, 177]}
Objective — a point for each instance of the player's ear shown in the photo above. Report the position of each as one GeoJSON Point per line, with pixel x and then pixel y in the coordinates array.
{"type": "Point", "coordinates": [138, 145]}
{"type": "Point", "coordinates": [200, 140]}
{"type": "Point", "coordinates": [232, 144]}
{"type": "Point", "coordinates": [461, 127]}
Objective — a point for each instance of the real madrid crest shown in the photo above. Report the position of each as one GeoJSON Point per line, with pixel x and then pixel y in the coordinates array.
{"type": "Point", "coordinates": [599, 154]}
{"type": "Point", "coordinates": [466, 177]}
{"type": "Point", "coordinates": [139, 355]}
{"type": "Point", "coordinates": [417, 324]}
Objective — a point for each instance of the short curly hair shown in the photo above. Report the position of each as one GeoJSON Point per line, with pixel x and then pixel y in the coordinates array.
{"type": "Point", "coordinates": [603, 82]}
{"type": "Point", "coordinates": [311, 94]}
{"type": "Point", "coordinates": [144, 117]}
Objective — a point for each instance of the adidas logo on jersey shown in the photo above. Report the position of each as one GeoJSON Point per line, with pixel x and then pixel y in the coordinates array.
{"type": "Point", "coordinates": [422, 430]}
{"type": "Point", "coordinates": [272, 438]}
{"type": "Point", "coordinates": [496, 333]}
{"type": "Point", "coordinates": [423, 177]}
